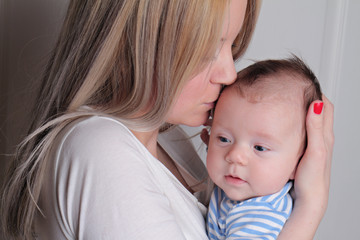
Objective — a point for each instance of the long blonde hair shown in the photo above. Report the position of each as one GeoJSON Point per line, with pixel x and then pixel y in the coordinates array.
{"type": "Point", "coordinates": [127, 59]}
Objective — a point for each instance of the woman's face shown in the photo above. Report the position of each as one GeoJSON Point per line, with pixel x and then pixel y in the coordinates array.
{"type": "Point", "coordinates": [200, 93]}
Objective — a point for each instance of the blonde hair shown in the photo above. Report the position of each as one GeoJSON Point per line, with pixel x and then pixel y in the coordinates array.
{"type": "Point", "coordinates": [127, 59]}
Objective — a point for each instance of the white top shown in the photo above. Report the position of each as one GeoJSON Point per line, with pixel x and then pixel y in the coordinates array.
{"type": "Point", "coordinates": [102, 183]}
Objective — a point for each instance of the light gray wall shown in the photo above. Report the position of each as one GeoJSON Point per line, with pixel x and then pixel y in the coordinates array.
{"type": "Point", "coordinates": [325, 33]}
{"type": "Point", "coordinates": [342, 219]}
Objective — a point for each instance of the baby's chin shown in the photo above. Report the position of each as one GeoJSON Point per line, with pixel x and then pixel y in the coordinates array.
{"type": "Point", "coordinates": [237, 196]}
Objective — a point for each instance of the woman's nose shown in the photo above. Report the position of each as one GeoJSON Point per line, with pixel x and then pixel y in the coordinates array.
{"type": "Point", "coordinates": [236, 156]}
{"type": "Point", "coordinates": [225, 72]}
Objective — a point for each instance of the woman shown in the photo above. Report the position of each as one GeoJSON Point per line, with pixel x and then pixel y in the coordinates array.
{"type": "Point", "coordinates": [95, 166]}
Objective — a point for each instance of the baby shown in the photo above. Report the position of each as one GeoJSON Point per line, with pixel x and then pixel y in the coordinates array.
{"type": "Point", "coordinates": [257, 139]}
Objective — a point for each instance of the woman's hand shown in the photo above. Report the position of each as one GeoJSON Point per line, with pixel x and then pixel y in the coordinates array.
{"type": "Point", "coordinates": [312, 179]}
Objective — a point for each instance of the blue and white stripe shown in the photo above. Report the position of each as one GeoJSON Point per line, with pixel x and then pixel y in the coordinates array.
{"type": "Point", "coordinates": [255, 218]}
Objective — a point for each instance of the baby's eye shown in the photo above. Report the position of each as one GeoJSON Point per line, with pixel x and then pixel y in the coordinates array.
{"type": "Point", "coordinates": [223, 139]}
{"type": "Point", "coordinates": [260, 148]}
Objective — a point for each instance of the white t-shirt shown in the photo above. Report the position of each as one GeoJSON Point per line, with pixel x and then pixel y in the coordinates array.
{"type": "Point", "coordinates": [102, 183]}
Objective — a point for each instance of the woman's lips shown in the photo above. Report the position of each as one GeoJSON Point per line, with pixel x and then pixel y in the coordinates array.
{"type": "Point", "coordinates": [234, 180]}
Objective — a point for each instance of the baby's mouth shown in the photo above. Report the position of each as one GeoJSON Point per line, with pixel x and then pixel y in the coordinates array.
{"type": "Point", "coordinates": [234, 180]}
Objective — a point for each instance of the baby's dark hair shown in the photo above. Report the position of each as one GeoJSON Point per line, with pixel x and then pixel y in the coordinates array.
{"type": "Point", "coordinates": [293, 66]}
{"type": "Point", "coordinates": [275, 76]}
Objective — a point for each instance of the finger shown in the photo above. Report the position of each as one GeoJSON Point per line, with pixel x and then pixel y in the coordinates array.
{"type": "Point", "coordinates": [328, 121]}
{"type": "Point", "coordinates": [314, 122]}
{"type": "Point", "coordinates": [328, 129]}
{"type": "Point", "coordinates": [315, 131]}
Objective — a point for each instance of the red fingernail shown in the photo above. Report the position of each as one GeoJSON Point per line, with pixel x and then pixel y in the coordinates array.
{"type": "Point", "coordinates": [318, 107]}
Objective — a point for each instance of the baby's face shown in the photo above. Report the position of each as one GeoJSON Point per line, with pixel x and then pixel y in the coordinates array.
{"type": "Point", "coordinates": [254, 148]}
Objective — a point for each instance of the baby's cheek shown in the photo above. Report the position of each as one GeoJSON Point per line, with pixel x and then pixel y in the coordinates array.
{"type": "Point", "coordinates": [214, 167]}
{"type": "Point", "coordinates": [210, 165]}
{"type": "Point", "coordinates": [268, 181]}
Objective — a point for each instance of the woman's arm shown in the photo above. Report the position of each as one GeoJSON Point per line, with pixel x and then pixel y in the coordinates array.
{"type": "Point", "coordinates": [312, 178]}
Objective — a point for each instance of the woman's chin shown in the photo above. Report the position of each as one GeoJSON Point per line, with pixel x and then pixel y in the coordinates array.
{"type": "Point", "coordinates": [196, 122]}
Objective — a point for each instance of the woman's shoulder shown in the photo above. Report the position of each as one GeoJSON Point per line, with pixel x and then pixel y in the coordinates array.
{"type": "Point", "coordinates": [100, 126]}
{"type": "Point", "coordinates": [96, 137]}
{"type": "Point", "coordinates": [96, 129]}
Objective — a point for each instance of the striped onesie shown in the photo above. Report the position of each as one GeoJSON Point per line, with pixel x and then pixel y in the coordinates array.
{"type": "Point", "coordinates": [254, 218]}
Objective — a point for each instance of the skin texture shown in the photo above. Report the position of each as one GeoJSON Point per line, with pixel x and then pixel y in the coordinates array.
{"type": "Point", "coordinates": [253, 151]}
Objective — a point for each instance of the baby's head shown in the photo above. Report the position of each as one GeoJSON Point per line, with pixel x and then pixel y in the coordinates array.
{"type": "Point", "coordinates": [258, 132]}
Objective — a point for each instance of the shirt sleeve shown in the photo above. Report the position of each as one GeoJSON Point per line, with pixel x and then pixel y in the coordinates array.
{"type": "Point", "coordinates": [256, 218]}
{"type": "Point", "coordinates": [250, 223]}
{"type": "Point", "coordinates": [106, 191]}
{"type": "Point", "coordinates": [262, 217]}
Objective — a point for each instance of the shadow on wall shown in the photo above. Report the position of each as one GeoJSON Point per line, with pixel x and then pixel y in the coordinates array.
{"type": "Point", "coordinates": [28, 30]}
